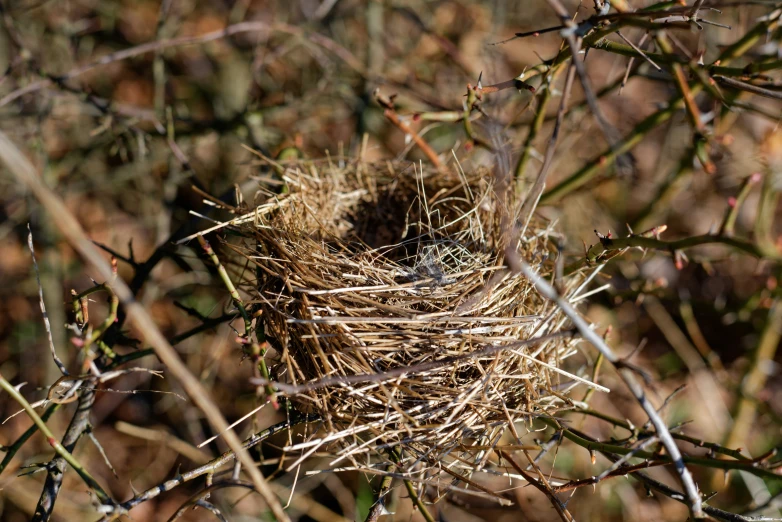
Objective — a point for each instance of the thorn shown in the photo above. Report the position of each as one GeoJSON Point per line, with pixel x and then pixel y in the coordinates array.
{"type": "Point", "coordinates": [480, 85]}
{"type": "Point", "coordinates": [679, 260]}
{"type": "Point", "coordinates": [603, 237]}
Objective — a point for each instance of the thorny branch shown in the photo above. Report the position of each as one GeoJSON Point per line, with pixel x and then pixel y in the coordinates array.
{"type": "Point", "coordinates": [608, 247]}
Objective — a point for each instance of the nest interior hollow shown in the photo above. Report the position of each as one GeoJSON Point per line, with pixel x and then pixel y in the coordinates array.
{"type": "Point", "coordinates": [383, 292]}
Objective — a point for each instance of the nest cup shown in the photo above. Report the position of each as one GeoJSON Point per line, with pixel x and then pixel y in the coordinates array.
{"type": "Point", "coordinates": [384, 296]}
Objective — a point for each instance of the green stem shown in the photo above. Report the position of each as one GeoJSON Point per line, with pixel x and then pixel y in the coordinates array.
{"type": "Point", "coordinates": [10, 451]}
{"type": "Point", "coordinates": [417, 501]}
{"type": "Point", "coordinates": [111, 318]}
{"type": "Point", "coordinates": [729, 224]}
{"type": "Point", "coordinates": [79, 308]}
{"type": "Point", "coordinates": [727, 465]}
{"type": "Point", "coordinates": [54, 443]}
{"type": "Point", "coordinates": [411, 491]}
{"type": "Point", "coordinates": [670, 59]}
{"type": "Point", "coordinates": [595, 254]}
{"type": "Point", "coordinates": [608, 244]}
{"type": "Point", "coordinates": [765, 220]}
{"type": "Point", "coordinates": [595, 373]}
{"type": "Point", "coordinates": [534, 129]}
{"type": "Point", "coordinates": [716, 448]}
{"type": "Point", "coordinates": [681, 84]}
{"type": "Point", "coordinates": [378, 508]}
{"type": "Point", "coordinates": [221, 271]}
{"type": "Point", "coordinates": [756, 377]}
{"type": "Point", "coordinates": [257, 351]}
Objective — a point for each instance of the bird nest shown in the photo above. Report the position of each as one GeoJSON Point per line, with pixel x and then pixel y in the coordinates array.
{"type": "Point", "coordinates": [384, 294]}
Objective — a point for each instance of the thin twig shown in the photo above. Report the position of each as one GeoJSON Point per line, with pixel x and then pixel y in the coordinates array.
{"type": "Point", "coordinates": [676, 495]}
{"type": "Point", "coordinates": [575, 43]}
{"type": "Point", "coordinates": [729, 223]}
{"type": "Point", "coordinates": [393, 117]}
{"type": "Point", "coordinates": [639, 51]}
{"type": "Point", "coordinates": [46, 323]}
{"type": "Point", "coordinates": [531, 200]}
{"type": "Point", "coordinates": [534, 129]}
{"type": "Point", "coordinates": [681, 84]}
{"type": "Point", "coordinates": [748, 87]}
{"type": "Point", "coordinates": [562, 511]}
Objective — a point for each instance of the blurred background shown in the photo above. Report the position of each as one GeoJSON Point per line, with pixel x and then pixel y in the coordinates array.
{"type": "Point", "coordinates": [125, 140]}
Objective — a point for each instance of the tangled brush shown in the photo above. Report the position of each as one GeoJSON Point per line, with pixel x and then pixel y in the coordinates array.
{"type": "Point", "coordinates": [383, 293]}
